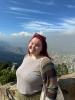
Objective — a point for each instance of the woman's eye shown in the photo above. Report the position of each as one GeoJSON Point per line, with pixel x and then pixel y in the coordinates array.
{"type": "Point", "coordinates": [38, 45]}
{"type": "Point", "coordinates": [31, 43]}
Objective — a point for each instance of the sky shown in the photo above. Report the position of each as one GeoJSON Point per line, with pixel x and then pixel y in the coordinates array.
{"type": "Point", "coordinates": [25, 17]}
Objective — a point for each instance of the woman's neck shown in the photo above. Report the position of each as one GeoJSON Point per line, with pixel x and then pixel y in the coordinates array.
{"type": "Point", "coordinates": [35, 56]}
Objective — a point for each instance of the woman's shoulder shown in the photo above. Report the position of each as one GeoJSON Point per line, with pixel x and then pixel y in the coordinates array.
{"type": "Point", "coordinates": [45, 60]}
{"type": "Point", "coordinates": [26, 55]}
{"type": "Point", "coordinates": [47, 64]}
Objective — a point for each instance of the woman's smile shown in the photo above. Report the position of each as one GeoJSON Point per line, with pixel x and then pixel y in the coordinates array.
{"type": "Point", "coordinates": [35, 46]}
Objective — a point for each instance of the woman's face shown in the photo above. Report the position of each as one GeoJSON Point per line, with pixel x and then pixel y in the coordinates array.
{"type": "Point", "coordinates": [35, 46]}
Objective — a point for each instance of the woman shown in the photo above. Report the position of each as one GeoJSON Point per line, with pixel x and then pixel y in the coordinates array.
{"type": "Point", "coordinates": [35, 71]}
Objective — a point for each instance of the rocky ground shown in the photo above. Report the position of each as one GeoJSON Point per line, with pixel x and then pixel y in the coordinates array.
{"type": "Point", "coordinates": [67, 84]}
{"type": "Point", "coordinates": [8, 92]}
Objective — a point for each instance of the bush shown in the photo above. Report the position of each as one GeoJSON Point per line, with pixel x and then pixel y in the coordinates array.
{"type": "Point", "coordinates": [4, 65]}
{"type": "Point", "coordinates": [6, 74]}
{"type": "Point", "coordinates": [61, 69]}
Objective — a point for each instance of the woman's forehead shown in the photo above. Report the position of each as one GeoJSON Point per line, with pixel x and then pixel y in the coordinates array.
{"type": "Point", "coordinates": [35, 39]}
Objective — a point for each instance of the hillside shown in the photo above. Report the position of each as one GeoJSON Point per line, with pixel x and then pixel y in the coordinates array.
{"type": "Point", "coordinates": [10, 53]}
{"type": "Point", "coordinates": [9, 56]}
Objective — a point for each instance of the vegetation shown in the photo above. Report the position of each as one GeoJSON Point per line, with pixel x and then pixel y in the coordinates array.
{"type": "Point", "coordinates": [6, 74]}
{"type": "Point", "coordinates": [61, 69]}
{"type": "Point", "coordinates": [9, 75]}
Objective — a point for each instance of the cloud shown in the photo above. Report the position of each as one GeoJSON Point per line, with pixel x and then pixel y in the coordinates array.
{"type": "Point", "coordinates": [13, 36]}
{"type": "Point", "coordinates": [17, 35]}
{"type": "Point", "coordinates": [16, 13]}
{"type": "Point", "coordinates": [24, 34]}
{"type": "Point", "coordinates": [67, 26]}
{"type": "Point", "coordinates": [41, 26]}
{"type": "Point", "coordinates": [69, 32]}
{"type": "Point", "coordinates": [14, 2]}
{"type": "Point", "coordinates": [28, 10]}
{"type": "Point", "coordinates": [2, 35]}
{"type": "Point", "coordinates": [21, 34]}
{"type": "Point", "coordinates": [70, 21]}
{"type": "Point", "coordinates": [21, 17]}
{"type": "Point", "coordinates": [50, 3]}
{"type": "Point", "coordinates": [5, 37]}
{"type": "Point", "coordinates": [70, 6]}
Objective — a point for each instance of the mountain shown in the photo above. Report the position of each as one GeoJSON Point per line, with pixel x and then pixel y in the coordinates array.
{"type": "Point", "coordinates": [10, 53]}
{"type": "Point", "coordinates": [12, 57]}
{"type": "Point", "coordinates": [5, 46]}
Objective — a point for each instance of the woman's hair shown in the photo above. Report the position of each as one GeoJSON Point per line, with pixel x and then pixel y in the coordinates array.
{"type": "Point", "coordinates": [44, 44]}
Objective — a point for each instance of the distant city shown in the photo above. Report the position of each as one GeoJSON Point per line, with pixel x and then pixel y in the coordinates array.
{"type": "Point", "coordinates": [68, 59]}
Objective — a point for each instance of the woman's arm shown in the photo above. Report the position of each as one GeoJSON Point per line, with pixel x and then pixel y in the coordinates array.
{"type": "Point", "coordinates": [50, 80]}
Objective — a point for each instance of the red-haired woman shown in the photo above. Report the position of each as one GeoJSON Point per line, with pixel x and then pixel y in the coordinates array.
{"type": "Point", "coordinates": [36, 71]}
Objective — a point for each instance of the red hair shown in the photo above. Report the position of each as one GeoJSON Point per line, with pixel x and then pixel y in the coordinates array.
{"type": "Point", "coordinates": [44, 44]}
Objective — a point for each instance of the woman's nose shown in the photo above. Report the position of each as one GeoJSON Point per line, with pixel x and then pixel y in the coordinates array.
{"type": "Point", "coordinates": [33, 46]}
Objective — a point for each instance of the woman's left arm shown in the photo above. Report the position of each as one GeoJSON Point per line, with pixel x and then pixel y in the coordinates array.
{"type": "Point", "coordinates": [50, 80]}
